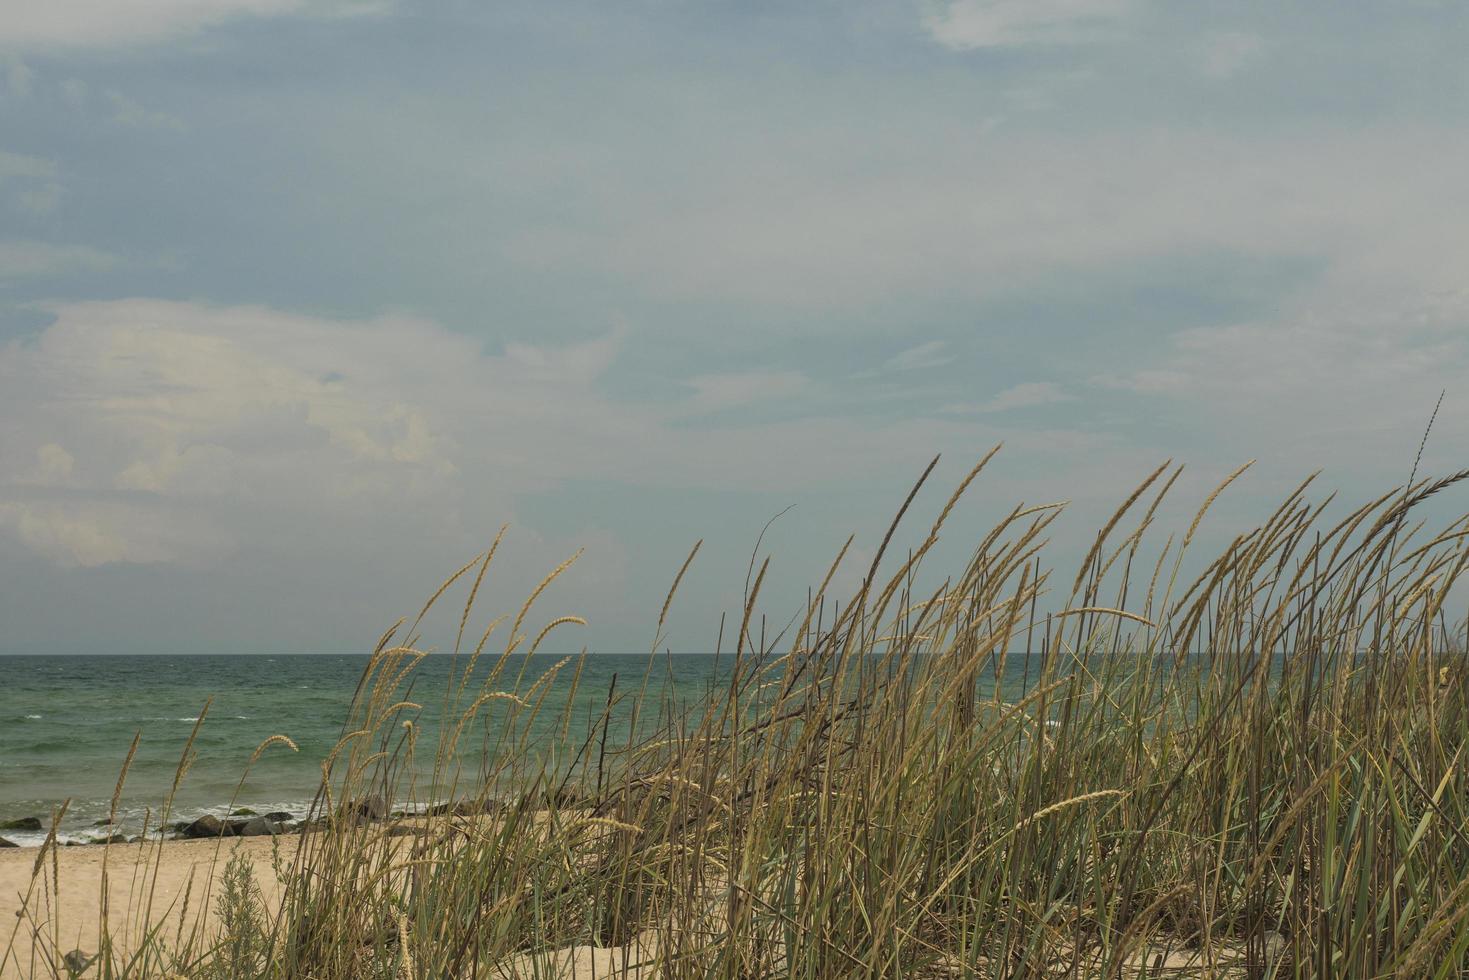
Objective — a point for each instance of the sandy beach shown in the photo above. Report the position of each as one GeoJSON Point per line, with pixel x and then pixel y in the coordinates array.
{"type": "Point", "coordinates": [65, 901]}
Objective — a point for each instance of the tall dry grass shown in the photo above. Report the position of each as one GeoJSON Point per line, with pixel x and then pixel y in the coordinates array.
{"type": "Point", "coordinates": [1258, 770]}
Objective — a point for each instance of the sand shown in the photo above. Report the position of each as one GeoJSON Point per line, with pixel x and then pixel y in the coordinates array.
{"type": "Point", "coordinates": [185, 866]}
{"type": "Point", "coordinates": [76, 876]}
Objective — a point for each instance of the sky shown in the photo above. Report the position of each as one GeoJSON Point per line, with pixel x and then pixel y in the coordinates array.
{"type": "Point", "coordinates": [302, 300]}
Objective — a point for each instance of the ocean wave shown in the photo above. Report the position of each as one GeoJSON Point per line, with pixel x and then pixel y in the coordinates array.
{"type": "Point", "coordinates": [34, 717]}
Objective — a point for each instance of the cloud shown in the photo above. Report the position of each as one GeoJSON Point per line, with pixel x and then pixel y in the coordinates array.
{"type": "Point", "coordinates": [1224, 55]}
{"type": "Point", "coordinates": [929, 354]}
{"type": "Point", "coordinates": [1029, 394]}
{"type": "Point", "coordinates": [249, 428]}
{"type": "Point", "coordinates": [29, 182]}
{"type": "Point", "coordinates": [134, 115]}
{"type": "Point", "coordinates": [988, 219]}
{"type": "Point", "coordinates": [18, 77]}
{"type": "Point", "coordinates": [107, 23]}
{"type": "Point", "coordinates": [968, 24]}
{"type": "Point", "coordinates": [1321, 381]}
{"type": "Point", "coordinates": [18, 165]}
{"type": "Point", "coordinates": [33, 260]}
{"type": "Point", "coordinates": [714, 392]}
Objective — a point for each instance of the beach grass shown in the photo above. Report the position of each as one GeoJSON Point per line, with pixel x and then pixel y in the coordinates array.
{"type": "Point", "coordinates": [1255, 769]}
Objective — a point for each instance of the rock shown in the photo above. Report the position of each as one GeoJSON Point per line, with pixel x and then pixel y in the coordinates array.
{"type": "Point", "coordinates": [23, 823]}
{"type": "Point", "coordinates": [104, 822]}
{"type": "Point", "coordinates": [243, 811]}
{"type": "Point", "coordinates": [280, 816]}
{"type": "Point", "coordinates": [259, 827]}
{"type": "Point", "coordinates": [373, 807]}
{"type": "Point", "coordinates": [7, 843]}
{"type": "Point", "coordinates": [77, 962]}
{"type": "Point", "coordinates": [207, 826]}
{"type": "Point", "coordinates": [467, 808]}
{"type": "Point", "coordinates": [110, 839]}
{"type": "Point", "coordinates": [402, 831]}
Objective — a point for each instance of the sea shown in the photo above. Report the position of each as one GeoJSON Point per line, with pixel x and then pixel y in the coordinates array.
{"type": "Point", "coordinates": [66, 723]}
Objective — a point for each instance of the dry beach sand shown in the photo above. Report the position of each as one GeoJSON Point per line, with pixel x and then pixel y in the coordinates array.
{"type": "Point", "coordinates": [177, 873]}
{"type": "Point", "coordinates": [75, 874]}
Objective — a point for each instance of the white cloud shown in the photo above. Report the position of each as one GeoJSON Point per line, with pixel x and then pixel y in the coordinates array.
{"type": "Point", "coordinates": [969, 24]}
{"type": "Point", "coordinates": [18, 77]}
{"type": "Point", "coordinates": [30, 182]}
{"type": "Point", "coordinates": [1323, 381]}
{"type": "Point", "coordinates": [54, 466]}
{"type": "Point", "coordinates": [134, 115]}
{"type": "Point", "coordinates": [1375, 205]}
{"type": "Point", "coordinates": [14, 165]}
{"type": "Point", "coordinates": [31, 260]}
{"type": "Point", "coordinates": [1222, 56]}
{"type": "Point", "coordinates": [1029, 394]}
{"type": "Point", "coordinates": [714, 392]}
{"type": "Point", "coordinates": [929, 354]}
{"type": "Point", "coordinates": [249, 428]}
{"type": "Point", "coordinates": [74, 91]}
{"type": "Point", "coordinates": [99, 23]}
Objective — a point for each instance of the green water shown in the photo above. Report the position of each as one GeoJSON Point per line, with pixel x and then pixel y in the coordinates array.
{"type": "Point", "coordinates": [66, 724]}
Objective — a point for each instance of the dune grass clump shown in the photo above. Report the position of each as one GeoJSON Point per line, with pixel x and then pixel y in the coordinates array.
{"type": "Point", "coordinates": [1115, 772]}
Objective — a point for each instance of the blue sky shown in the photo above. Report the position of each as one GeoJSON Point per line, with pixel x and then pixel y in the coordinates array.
{"type": "Point", "coordinates": [300, 300]}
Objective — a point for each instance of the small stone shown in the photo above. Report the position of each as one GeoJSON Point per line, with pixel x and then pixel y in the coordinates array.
{"type": "Point", "coordinates": [77, 962]}
{"type": "Point", "coordinates": [7, 843]}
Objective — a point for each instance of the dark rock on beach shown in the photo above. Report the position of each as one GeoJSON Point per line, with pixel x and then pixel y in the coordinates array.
{"type": "Point", "coordinates": [402, 831]}
{"type": "Point", "coordinates": [258, 827]}
{"type": "Point", "coordinates": [23, 823]}
{"type": "Point", "coordinates": [207, 826]}
{"type": "Point", "coordinates": [373, 807]}
{"type": "Point", "coordinates": [280, 816]}
{"type": "Point", "coordinates": [110, 839]}
{"type": "Point", "coordinates": [468, 808]}
{"type": "Point", "coordinates": [7, 843]}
